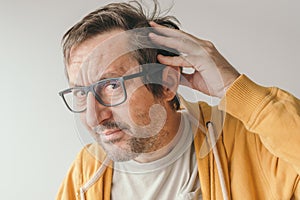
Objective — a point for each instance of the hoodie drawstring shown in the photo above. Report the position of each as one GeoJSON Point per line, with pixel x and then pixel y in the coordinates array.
{"type": "Point", "coordinates": [99, 173]}
{"type": "Point", "coordinates": [217, 158]}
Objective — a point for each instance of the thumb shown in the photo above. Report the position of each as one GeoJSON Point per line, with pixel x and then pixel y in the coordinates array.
{"type": "Point", "coordinates": [194, 81]}
{"type": "Point", "coordinates": [186, 80]}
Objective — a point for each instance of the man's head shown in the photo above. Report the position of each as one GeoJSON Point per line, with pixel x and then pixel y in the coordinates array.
{"type": "Point", "coordinates": [96, 48]}
{"type": "Point", "coordinates": [123, 16]}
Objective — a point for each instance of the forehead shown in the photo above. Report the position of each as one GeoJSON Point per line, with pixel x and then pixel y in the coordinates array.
{"type": "Point", "coordinates": [105, 53]}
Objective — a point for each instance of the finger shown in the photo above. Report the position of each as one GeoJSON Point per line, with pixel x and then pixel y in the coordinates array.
{"type": "Point", "coordinates": [177, 61]}
{"type": "Point", "coordinates": [172, 32]}
{"type": "Point", "coordinates": [165, 30]}
{"type": "Point", "coordinates": [188, 80]}
{"type": "Point", "coordinates": [198, 62]}
{"type": "Point", "coordinates": [180, 44]}
{"type": "Point", "coordinates": [154, 24]}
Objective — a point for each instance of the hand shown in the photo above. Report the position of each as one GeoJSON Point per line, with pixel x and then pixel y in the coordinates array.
{"type": "Point", "coordinates": [213, 73]}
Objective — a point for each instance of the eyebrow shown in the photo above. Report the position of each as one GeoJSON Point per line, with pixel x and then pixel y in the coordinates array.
{"type": "Point", "coordinates": [110, 75]}
{"type": "Point", "coordinates": [105, 76]}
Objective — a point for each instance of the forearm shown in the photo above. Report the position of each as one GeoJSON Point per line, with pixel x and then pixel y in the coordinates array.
{"type": "Point", "coordinates": [270, 112]}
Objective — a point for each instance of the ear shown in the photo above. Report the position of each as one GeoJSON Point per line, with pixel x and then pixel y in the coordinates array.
{"type": "Point", "coordinates": [170, 79]}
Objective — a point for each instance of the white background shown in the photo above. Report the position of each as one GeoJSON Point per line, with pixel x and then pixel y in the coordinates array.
{"type": "Point", "coordinates": [260, 38]}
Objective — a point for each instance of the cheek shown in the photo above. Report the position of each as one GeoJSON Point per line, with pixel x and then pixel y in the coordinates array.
{"type": "Point", "coordinates": [83, 120]}
{"type": "Point", "coordinates": [139, 104]}
{"type": "Point", "coordinates": [85, 126]}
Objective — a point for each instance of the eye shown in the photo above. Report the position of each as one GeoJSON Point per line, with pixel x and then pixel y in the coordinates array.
{"type": "Point", "coordinates": [110, 87]}
{"type": "Point", "coordinates": [79, 93]}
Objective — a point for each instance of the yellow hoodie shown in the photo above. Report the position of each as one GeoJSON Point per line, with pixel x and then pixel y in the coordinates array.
{"type": "Point", "coordinates": [258, 149]}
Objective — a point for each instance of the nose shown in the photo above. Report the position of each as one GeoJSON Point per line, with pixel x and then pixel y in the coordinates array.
{"type": "Point", "coordinates": [96, 113]}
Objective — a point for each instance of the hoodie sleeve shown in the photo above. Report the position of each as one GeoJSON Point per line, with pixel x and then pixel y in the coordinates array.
{"type": "Point", "coordinates": [271, 113]}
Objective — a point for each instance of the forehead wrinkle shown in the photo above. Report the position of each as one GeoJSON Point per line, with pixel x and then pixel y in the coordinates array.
{"type": "Point", "coordinates": [89, 73]}
{"type": "Point", "coordinates": [97, 65]}
{"type": "Point", "coordinates": [120, 67]}
{"type": "Point", "coordinates": [117, 54]}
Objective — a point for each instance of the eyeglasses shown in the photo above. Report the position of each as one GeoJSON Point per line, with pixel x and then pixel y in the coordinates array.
{"type": "Point", "coordinates": [108, 92]}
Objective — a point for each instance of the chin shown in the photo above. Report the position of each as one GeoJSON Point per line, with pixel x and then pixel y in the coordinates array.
{"type": "Point", "coordinates": [118, 153]}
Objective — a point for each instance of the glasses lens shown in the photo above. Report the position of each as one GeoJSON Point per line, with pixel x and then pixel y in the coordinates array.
{"type": "Point", "coordinates": [76, 99]}
{"type": "Point", "coordinates": [110, 91]}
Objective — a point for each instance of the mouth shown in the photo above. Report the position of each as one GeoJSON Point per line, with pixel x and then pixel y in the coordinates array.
{"type": "Point", "coordinates": [112, 135]}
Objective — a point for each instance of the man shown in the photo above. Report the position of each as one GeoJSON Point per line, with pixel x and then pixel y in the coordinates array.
{"type": "Point", "coordinates": [124, 70]}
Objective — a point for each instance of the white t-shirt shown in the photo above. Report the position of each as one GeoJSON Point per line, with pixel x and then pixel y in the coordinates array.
{"type": "Point", "coordinates": [175, 176]}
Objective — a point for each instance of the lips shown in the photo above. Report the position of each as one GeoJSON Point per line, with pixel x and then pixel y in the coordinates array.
{"type": "Point", "coordinates": [110, 131]}
{"type": "Point", "coordinates": [112, 135]}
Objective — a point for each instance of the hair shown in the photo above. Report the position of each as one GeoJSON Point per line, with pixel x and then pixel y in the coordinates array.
{"type": "Point", "coordinates": [124, 16]}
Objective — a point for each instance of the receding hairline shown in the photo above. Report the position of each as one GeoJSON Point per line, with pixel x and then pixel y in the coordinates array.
{"type": "Point", "coordinates": [115, 31]}
{"type": "Point", "coordinates": [120, 15]}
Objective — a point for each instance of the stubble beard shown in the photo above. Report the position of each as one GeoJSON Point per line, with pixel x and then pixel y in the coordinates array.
{"type": "Point", "coordinates": [118, 153]}
{"type": "Point", "coordinates": [137, 140]}
{"type": "Point", "coordinates": [120, 150]}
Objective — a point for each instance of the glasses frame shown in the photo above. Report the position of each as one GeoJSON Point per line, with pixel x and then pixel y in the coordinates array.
{"type": "Point", "coordinates": [90, 88]}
